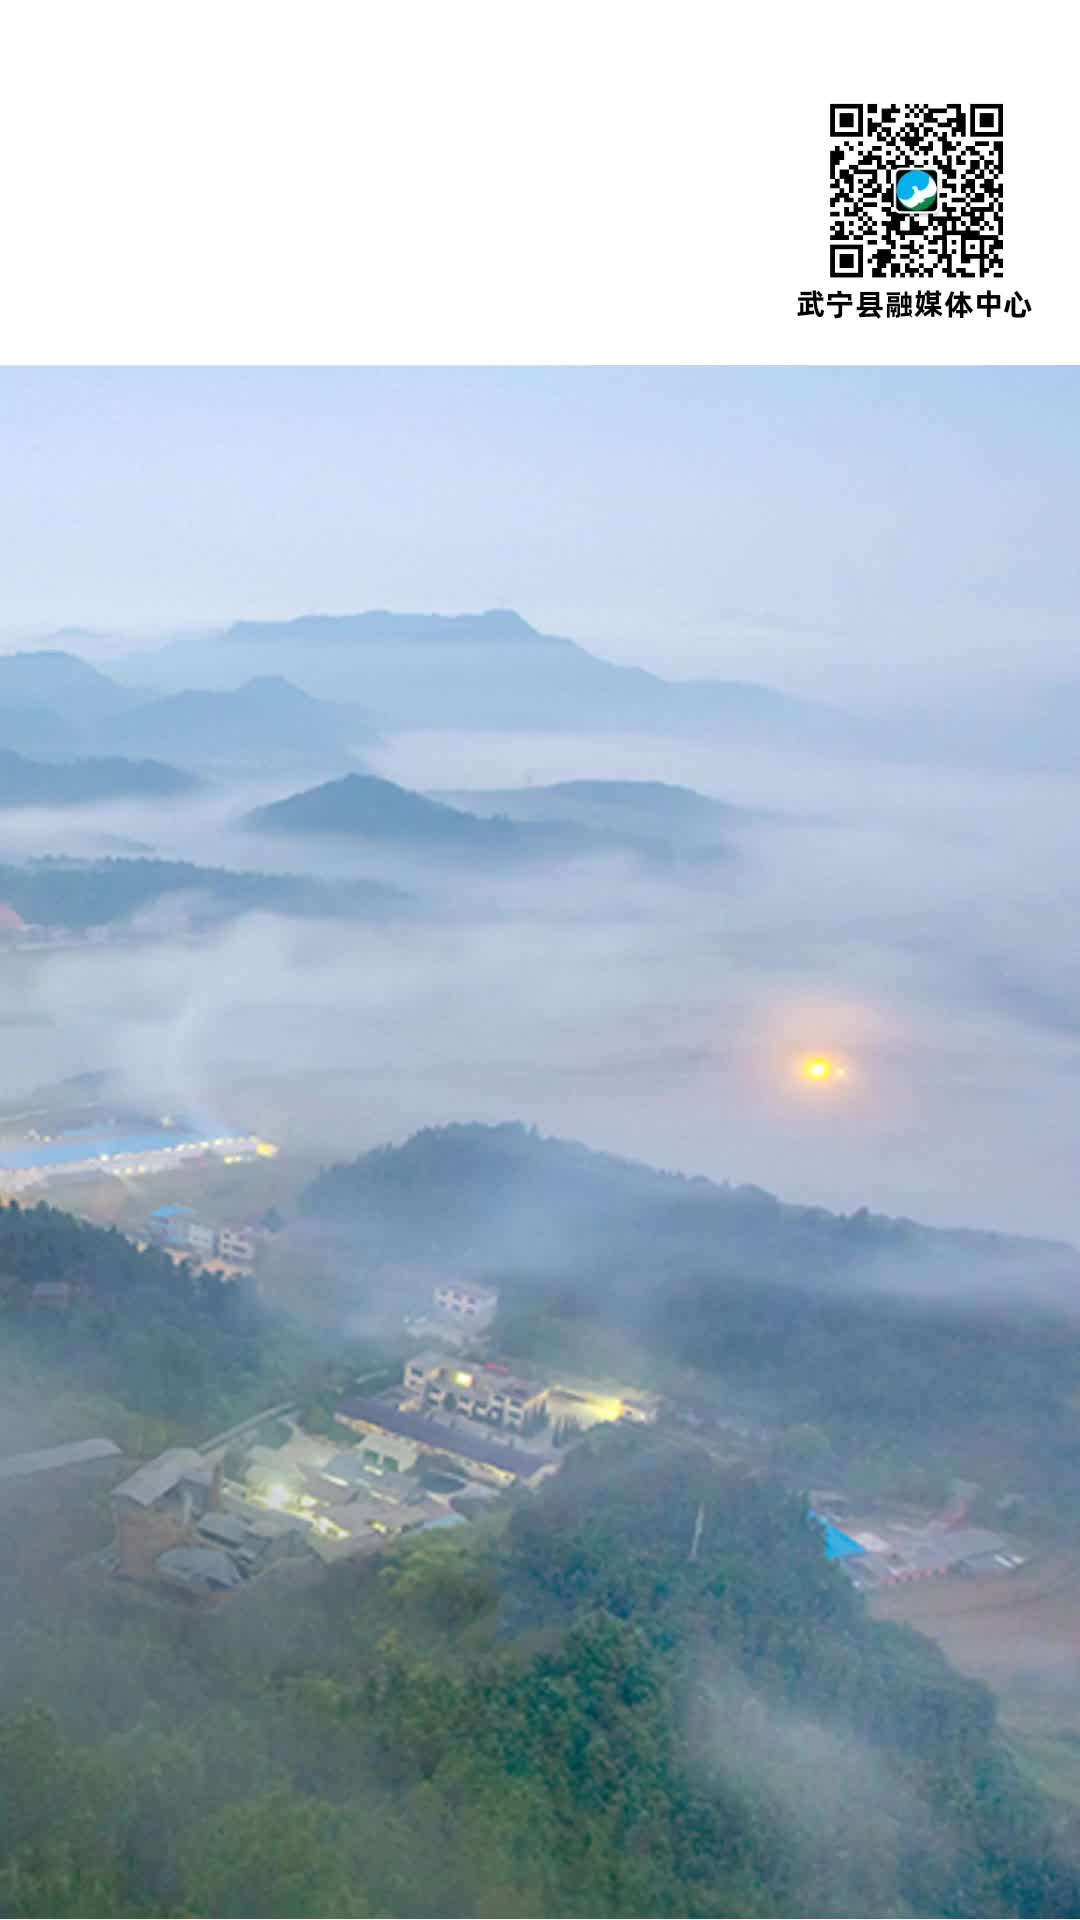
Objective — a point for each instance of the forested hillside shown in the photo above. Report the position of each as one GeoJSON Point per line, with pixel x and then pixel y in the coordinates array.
{"type": "Point", "coordinates": [901, 1355]}
{"type": "Point", "coordinates": [559, 1712]}
{"type": "Point", "coordinates": [366, 808]}
{"type": "Point", "coordinates": [95, 893]}
{"type": "Point", "coordinates": [87, 1318]}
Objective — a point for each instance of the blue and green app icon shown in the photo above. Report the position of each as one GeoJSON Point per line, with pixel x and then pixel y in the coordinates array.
{"type": "Point", "coordinates": [916, 190]}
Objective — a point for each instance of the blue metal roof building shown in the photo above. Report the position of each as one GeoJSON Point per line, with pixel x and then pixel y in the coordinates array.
{"type": "Point", "coordinates": [838, 1546]}
{"type": "Point", "coordinates": [74, 1149]}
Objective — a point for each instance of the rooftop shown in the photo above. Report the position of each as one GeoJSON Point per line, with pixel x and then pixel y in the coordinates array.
{"type": "Point", "coordinates": [229, 1527]}
{"type": "Point", "coordinates": [67, 1152]}
{"type": "Point", "coordinates": [348, 1467]}
{"type": "Point", "coordinates": [907, 1556]}
{"type": "Point", "coordinates": [148, 1483]}
{"type": "Point", "coordinates": [481, 1375]}
{"type": "Point", "coordinates": [838, 1546]}
{"type": "Point", "coordinates": [200, 1567]}
{"type": "Point", "coordinates": [300, 1451]}
{"type": "Point", "coordinates": [367, 1524]}
{"type": "Point", "coordinates": [496, 1381]}
{"type": "Point", "coordinates": [271, 1525]}
{"type": "Point", "coordinates": [946, 1549]}
{"type": "Point", "coordinates": [466, 1444]}
{"type": "Point", "coordinates": [430, 1358]}
{"type": "Point", "coordinates": [466, 1290]}
{"type": "Point", "coordinates": [72, 1455]}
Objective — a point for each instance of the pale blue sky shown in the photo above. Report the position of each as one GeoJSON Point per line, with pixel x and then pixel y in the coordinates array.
{"type": "Point", "coordinates": [814, 527]}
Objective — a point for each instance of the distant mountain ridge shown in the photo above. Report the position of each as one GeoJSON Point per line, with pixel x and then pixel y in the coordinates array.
{"type": "Point", "coordinates": [493, 671]}
{"type": "Point", "coordinates": [51, 700]}
{"type": "Point", "coordinates": [630, 806]}
{"type": "Point", "coordinates": [496, 626]}
{"type": "Point", "coordinates": [488, 670]}
{"type": "Point", "coordinates": [61, 683]}
{"type": "Point", "coordinates": [56, 706]}
{"type": "Point", "coordinates": [39, 733]}
{"type": "Point", "coordinates": [266, 715]}
{"type": "Point", "coordinates": [33, 783]}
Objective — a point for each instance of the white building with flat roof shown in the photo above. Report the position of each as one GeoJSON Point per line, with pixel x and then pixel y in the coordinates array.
{"type": "Point", "coordinates": [485, 1392]}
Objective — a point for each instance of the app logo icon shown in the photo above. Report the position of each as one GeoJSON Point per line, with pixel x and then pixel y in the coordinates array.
{"type": "Point", "coordinates": [916, 190]}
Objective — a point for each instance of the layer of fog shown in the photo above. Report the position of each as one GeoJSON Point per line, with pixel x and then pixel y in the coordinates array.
{"type": "Point", "coordinates": [923, 931]}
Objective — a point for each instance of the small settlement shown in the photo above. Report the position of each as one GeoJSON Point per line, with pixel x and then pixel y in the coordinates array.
{"type": "Point", "coordinates": [404, 1459]}
{"type": "Point", "coordinates": [421, 1452]}
{"type": "Point", "coordinates": [883, 1547]}
{"type": "Point", "coordinates": [179, 1229]}
{"type": "Point", "coordinates": [181, 1522]}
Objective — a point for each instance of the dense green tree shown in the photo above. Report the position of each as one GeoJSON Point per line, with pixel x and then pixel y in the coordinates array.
{"type": "Point", "coordinates": [917, 1354]}
{"type": "Point", "coordinates": [175, 1345]}
{"type": "Point", "coordinates": [279, 1855]}
{"type": "Point", "coordinates": [639, 1690]}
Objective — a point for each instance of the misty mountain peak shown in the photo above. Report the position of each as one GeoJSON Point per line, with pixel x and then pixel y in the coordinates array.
{"type": "Point", "coordinates": [380, 625]}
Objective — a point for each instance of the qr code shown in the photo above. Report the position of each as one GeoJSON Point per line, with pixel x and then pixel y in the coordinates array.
{"type": "Point", "coordinates": [916, 191]}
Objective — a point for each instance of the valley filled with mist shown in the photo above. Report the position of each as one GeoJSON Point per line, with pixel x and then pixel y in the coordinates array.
{"type": "Point", "coordinates": [539, 1230]}
{"type": "Point", "coordinates": [564, 918]}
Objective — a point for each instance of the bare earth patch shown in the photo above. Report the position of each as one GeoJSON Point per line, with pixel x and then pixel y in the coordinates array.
{"type": "Point", "coordinates": [1019, 1633]}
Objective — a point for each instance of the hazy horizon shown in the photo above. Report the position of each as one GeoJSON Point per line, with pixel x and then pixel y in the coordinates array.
{"type": "Point", "coordinates": [828, 531]}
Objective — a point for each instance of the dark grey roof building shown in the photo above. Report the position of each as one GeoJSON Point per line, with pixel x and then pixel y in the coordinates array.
{"type": "Point", "coordinates": [157, 1477]}
{"type": "Point", "coordinates": [499, 1457]}
{"type": "Point", "coordinates": [226, 1529]}
{"type": "Point", "coordinates": [205, 1570]}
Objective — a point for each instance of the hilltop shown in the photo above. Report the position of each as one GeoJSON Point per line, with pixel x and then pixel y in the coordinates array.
{"type": "Point", "coordinates": [640, 807]}
{"type": "Point", "coordinates": [265, 718]}
{"type": "Point", "coordinates": [488, 669]}
{"type": "Point", "coordinates": [51, 701]}
{"type": "Point", "coordinates": [58, 706]}
{"type": "Point", "coordinates": [61, 683]}
{"type": "Point", "coordinates": [378, 812]}
{"type": "Point", "coordinates": [363, 807]}
{"type": "Point", "coordinates": [566, 1202]}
